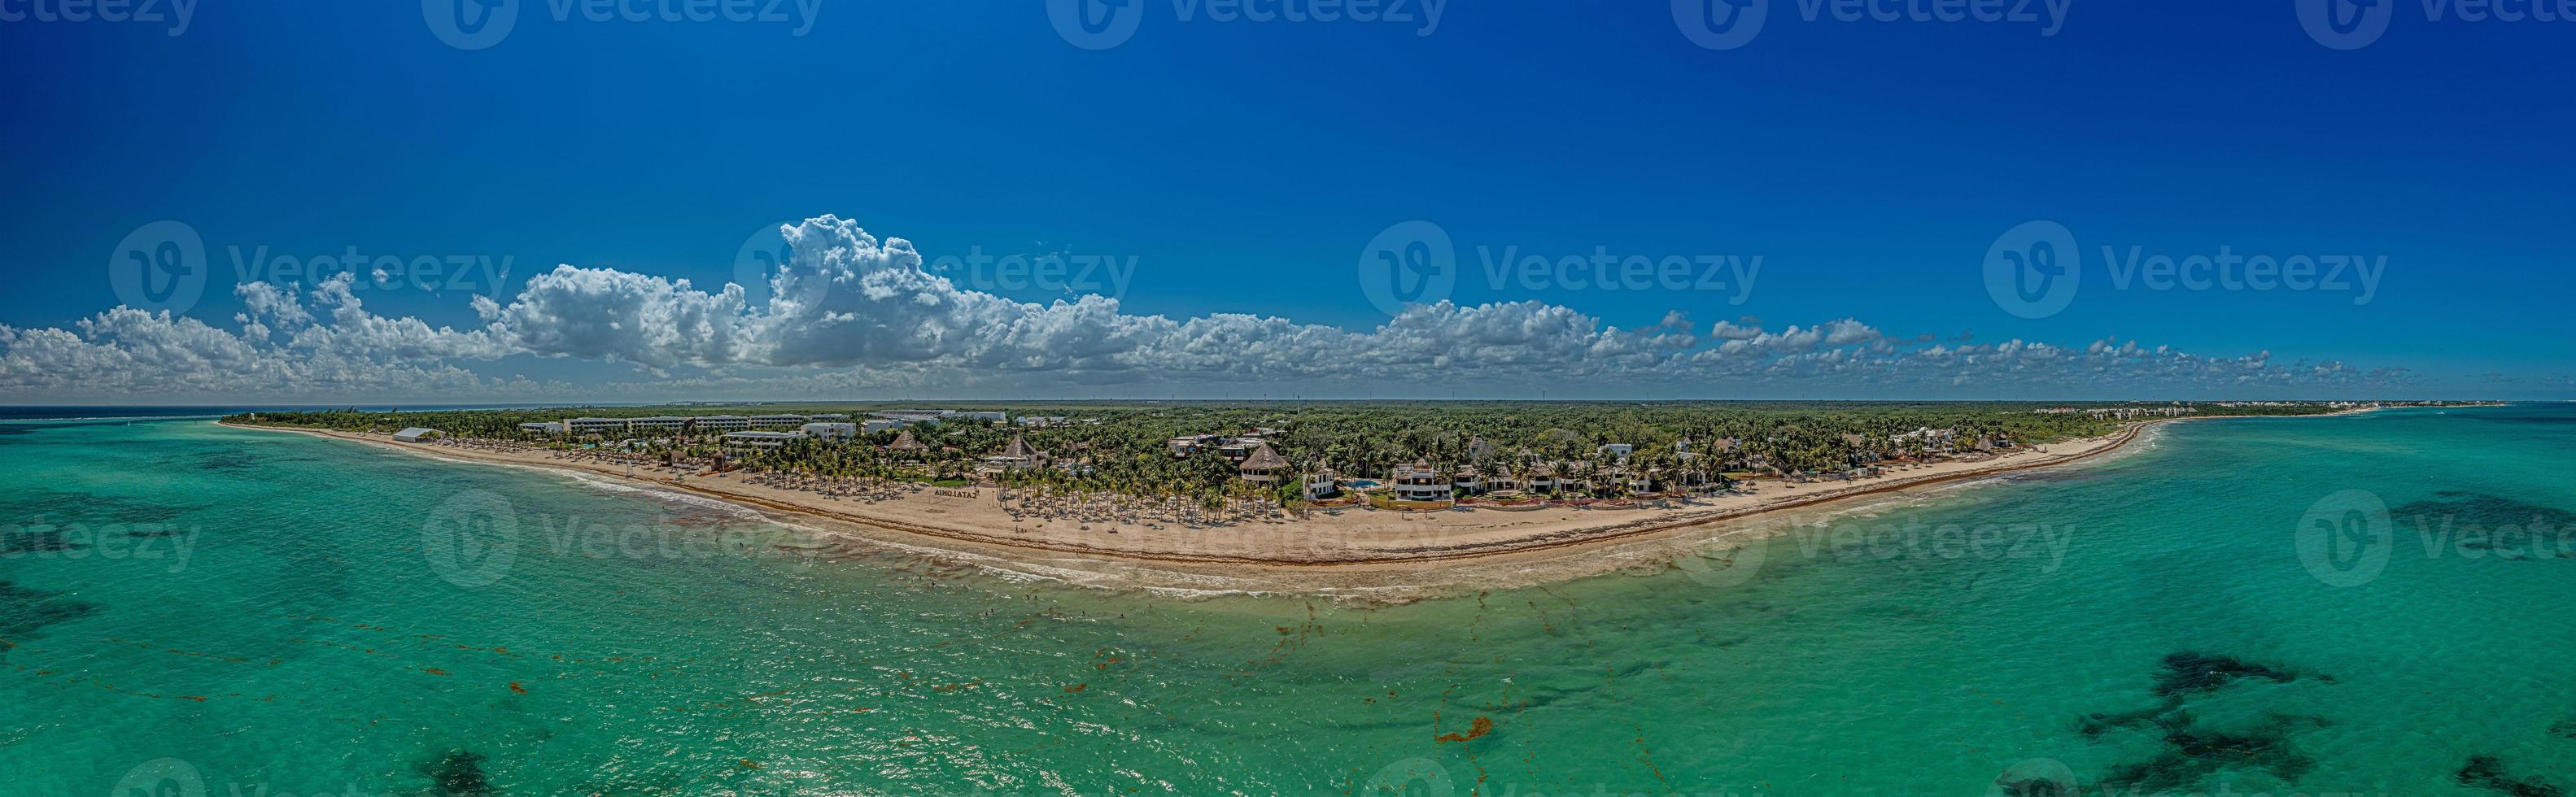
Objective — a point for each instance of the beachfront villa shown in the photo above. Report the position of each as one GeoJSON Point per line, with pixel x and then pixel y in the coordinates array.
{"type": "Point", "coordinates": [1321, 485]}
{"type": "Point", "coordinates": [1263, 466]}
{"type": "Point", "coordinates": [1929, 438]}
{"type": "Point", "coordinates": [1466, 482]}
{"type": "Point", "coordinates": [1862, 451]}
{"type": "Point", "coordinates": [761, 440]}
{"type": "Point", "coordinates": [416, 434]}
{"type": "Point", "coordinates": [1419, 482]}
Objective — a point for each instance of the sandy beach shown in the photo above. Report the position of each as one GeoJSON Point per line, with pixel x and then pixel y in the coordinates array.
{"type": "Point", "coordinates": [1354, 551]}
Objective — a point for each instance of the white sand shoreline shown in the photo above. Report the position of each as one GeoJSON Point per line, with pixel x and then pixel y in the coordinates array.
{"type": "Point", "coordinates": [1354, 553]}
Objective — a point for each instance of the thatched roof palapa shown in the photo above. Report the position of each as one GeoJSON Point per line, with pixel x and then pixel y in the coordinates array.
{"type": "Point", "coordinates": [1019, 448]}
{"type": "Point", "coordinates": [904, 442]}
{"type": "Point", "coordinates": [1263, 458]}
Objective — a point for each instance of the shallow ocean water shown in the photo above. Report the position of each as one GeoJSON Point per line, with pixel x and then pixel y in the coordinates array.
{"type": "Point", "coordinates": [191, 605]}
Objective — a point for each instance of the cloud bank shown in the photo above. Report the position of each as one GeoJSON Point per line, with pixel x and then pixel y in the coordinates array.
{"type": "Point", "coordinates": [851, 314]}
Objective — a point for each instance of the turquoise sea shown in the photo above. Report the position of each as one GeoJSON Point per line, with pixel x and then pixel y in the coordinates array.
{"type": "Point", "coordinates": [2372, 604]}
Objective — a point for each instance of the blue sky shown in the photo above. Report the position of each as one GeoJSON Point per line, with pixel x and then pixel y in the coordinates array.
{"type": "Point", "coordinates": [1242, 167]}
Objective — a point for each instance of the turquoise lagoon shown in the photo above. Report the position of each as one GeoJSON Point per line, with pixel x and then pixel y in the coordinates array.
{"type": "Point", "coordinates": [2367, 604]}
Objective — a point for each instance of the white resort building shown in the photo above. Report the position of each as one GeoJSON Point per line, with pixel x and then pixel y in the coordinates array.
{"type": "Point", "coordinates": [595, 425]}
{"type": "Point", "coordinates": [830, 431]}
{"type": "Point", "coordinates": [658, 423]}
{"type": "Point", "coordinates": [904, 418]}
{"type": "Point", "coordinates": [415, 434]}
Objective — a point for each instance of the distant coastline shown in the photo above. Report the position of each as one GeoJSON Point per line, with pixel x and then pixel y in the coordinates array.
{"type": "Point", "coordinates": [1349, 551]}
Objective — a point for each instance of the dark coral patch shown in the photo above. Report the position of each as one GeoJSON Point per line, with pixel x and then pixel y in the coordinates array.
{"type": "Point", "coordinates": [25, 611]}
{"type": "Point", "coordinates": [2188, 672]}
{"type": "Point", "coordinates": [2488, 772]}
{"type": "Point", "coordinates": [459, 774]}
{"type": "Point", "coordinates": [2194, 753]}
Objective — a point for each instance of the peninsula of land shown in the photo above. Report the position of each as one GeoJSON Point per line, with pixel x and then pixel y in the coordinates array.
{"type": "Point", "coordinates": [1359, 543]}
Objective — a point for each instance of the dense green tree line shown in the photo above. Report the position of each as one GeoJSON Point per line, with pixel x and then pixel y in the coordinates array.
{"type": "Point", "coordinates": [1121, 447]}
